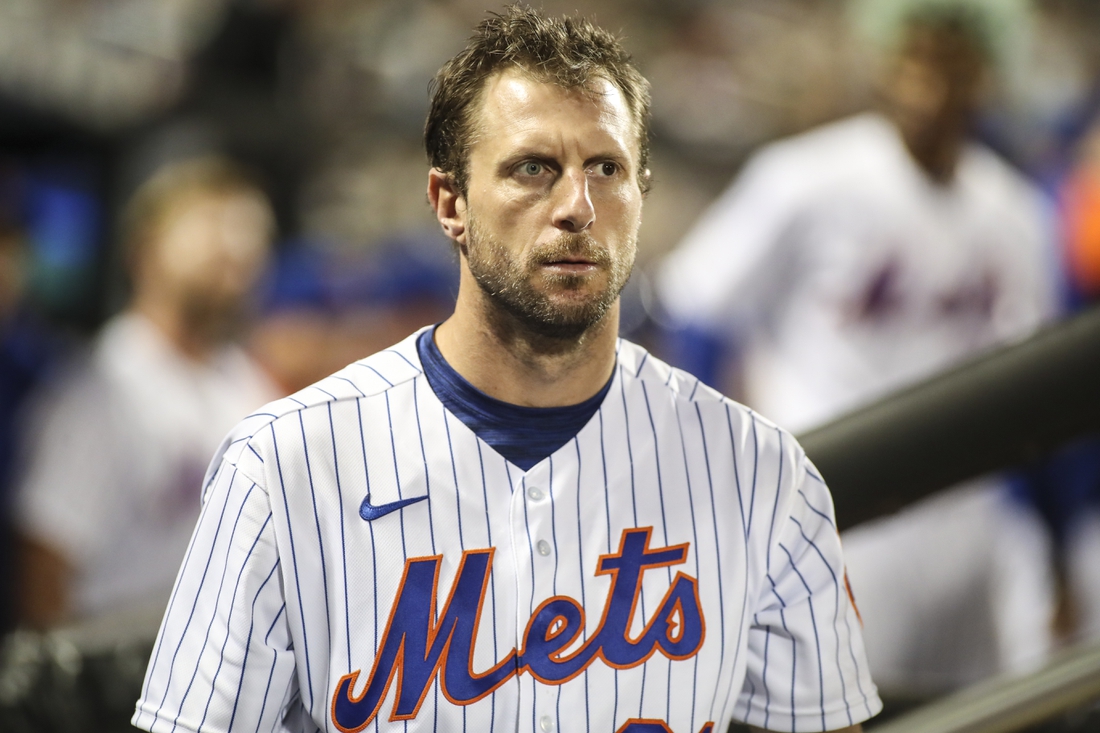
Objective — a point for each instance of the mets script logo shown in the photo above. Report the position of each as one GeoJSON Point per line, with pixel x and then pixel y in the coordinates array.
{"type": "Point", "coordinates": [417, 647]}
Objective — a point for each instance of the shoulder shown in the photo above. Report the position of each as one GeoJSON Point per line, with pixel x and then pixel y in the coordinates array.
{"type": "Point", "coordinates": [984, 172]}
{"type": "Point", "coordinates": [685, 391]}
{"type": "Point", "coordinates": [370, 377]}
{"type": "Point", "coordinates": [783, 177]}
{"type": "Point", "coordinates": [732, 444]}
{"type": "Point", "coordinates": [832, 150]}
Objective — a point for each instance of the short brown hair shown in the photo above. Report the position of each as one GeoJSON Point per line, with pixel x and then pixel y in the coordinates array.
{"type": "Point", "coordinates": [157, 198]}
{"type": "Point", "coordinates": [569, 51]}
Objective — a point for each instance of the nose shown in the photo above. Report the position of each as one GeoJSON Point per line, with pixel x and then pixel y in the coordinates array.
{"type": "Point", "coordinates": [573, 210]}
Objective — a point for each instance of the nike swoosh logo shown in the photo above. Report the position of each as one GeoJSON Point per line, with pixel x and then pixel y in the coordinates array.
{"type": "Point", "coordinates": [370, 512]}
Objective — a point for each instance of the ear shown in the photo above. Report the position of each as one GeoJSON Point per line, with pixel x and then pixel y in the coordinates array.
{"type": "Point", "coordinates": [448, 204]}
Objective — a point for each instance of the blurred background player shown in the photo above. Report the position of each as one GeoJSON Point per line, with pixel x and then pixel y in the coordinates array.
{"type": "Point", "coordinates": [118, 449]}
{"type": "Point", "coordinates": [864, 255]}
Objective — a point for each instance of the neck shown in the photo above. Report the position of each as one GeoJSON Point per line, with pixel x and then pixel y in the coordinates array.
{"type": "Point", "coordinates": [504, 359]}
{"type": "Point", "coordinates": [934, 148]}
{"type": "Point", "coordinates": [937, 157]}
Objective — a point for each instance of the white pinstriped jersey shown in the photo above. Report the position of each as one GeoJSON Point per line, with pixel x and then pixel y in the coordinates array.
{"type": "Point", "coordinates": [673, 566]}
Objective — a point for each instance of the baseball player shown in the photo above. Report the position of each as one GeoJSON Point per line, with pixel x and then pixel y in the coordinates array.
{"type": "Point", "coordinates": [855, 259]}
{"type": "Point", "coordinates": [516, 520]}
{"type": "Point", "coordinates": [102, 523]}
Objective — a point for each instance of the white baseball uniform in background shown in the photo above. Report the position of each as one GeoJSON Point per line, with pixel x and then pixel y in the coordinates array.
{"type": "Point", "coordinates": [842, 272]}
{"type": "Point", "coordinates": [116, 458]}
{"type": "Point", "coordinates": [364, 561]}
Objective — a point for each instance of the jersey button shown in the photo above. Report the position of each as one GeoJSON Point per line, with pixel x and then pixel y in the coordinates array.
{"type": "Point", "coordinates": [544, 549]}
{"type": "Point", "coordinates": [546, 724]}
{"type": "Point", "coordinates": [534, 493]}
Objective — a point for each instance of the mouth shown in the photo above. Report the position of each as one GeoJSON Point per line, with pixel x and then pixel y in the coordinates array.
{"type": "Point", "coordinates": [573, 265]}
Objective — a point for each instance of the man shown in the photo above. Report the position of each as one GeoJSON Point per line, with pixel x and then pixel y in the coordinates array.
{"type": "Point", "coordinates": [109, 496]}
{"type": "Point", "coordinates": [857, 258]}
{"type": "Point", "coordinates": [516, 520]}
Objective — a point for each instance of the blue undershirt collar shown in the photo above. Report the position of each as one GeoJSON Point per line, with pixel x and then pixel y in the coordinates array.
{"type": "Point", "coordinates": [523, 435]}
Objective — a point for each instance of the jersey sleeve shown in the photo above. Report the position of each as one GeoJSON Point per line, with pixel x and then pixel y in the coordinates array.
{"type": "Point", "coordinates": [223, 659]}
{"type": "Point", "coordinates": [806, 670]}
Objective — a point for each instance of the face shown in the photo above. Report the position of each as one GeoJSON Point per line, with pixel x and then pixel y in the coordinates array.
{"type": "Point", "coordinates": [208, 253]}
{"type": "Point", "coordinates": [551, 213]}
{"type": "Point", "coordinates": [936, 82]}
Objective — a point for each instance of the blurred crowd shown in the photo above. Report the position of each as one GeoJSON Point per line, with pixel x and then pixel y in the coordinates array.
{"type": "Point", "coordinates": [208, 204]}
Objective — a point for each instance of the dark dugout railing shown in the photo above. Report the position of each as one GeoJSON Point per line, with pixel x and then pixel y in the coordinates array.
{"type": "Point", "coordinates": [996, 411]}
{"type": "Point", "coordinates": [1065, 692]}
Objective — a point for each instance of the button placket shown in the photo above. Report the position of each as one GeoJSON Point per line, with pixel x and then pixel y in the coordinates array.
{"type": "Point", "coordinates": [535, 495]}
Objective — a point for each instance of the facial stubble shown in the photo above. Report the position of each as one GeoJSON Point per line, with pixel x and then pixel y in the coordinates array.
{"type": "Point", "coordinates": [520, 288]}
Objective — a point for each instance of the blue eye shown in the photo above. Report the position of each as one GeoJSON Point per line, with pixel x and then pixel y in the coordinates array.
{"type": "Point", "coordinates": [532, 168]}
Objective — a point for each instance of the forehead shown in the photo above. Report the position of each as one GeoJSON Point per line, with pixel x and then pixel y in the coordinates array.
{"type": "Point", "coordinates": [942, 46]}
{"type": "Point", "coordinates": [514, 107]}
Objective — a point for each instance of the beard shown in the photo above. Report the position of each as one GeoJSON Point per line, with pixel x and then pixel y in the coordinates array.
{"type": "Point", "coordinates": [510, 282]}
{"type": "Point", "coordinates": [214, 318]}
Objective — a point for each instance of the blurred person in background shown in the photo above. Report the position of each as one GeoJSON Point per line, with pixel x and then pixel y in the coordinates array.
{"type": "Point", "coordinates": [324, 309]}
{"type": "Point", "coordinates": [865, 255]}
{"type": "Point", "coordinates": [117, 450]}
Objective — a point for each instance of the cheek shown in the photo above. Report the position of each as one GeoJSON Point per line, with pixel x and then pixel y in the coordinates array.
{"type": "Point", "coordinates": [185, 252]}
{"type": "Point", "coordinates": [622, 209]}
{"type": "Point", "coordinates": [211, 255]}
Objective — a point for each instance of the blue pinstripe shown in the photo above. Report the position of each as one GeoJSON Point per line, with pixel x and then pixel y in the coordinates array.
{"type": "Point", "coordinates": [431, 528]}
{"type": "Point", "coordinates": [580, 556]}
{"type": "Point", "coordinates": [403, 358]}
{"type": "Point", "coordinates": [458, 502]}
{"type": "Point", "coordinates": [271, 674]}
{"type": "Point", "coordinates": [343, 535]}
{"type": "Point", "coordinates": [376, 372]}
{"type": "Point", "coordinates": [836, 612]}
{"type": "Point", "coordinates": [607, 510]}
{"type": "Point", "coordinates": [320, 539]}
{"type": "Point", "coordinates": [396, 471]}
{"type": "Point", "coordinates": [764, 675]}
{"type": "Point", "coordinates": [718, 560]}
{"type": "Point", "coordinates": [194, 601]}
{"type": "Point", "coordinates": [209, 626]}
{"type": "Point", "coordinates": [814, 509]}
{"type": "Point", "coordinates": [229, 619]}
{"type": "Point", "coordinates": [817, 639]}
{"type": "Point", "coordinates": [695, 553]}
{"type": "Point", "coordinates": [664, 528]}
{"type": "Point", "coordinates": [248, 645]}
{"type": "Point", "coordinates": [775, 507]}
{"type": "Point", "coordinates": [492, 582]}
{"type": "Point", "coordinates": [634, 503]}
{"type": "Point", "coordinates": [294, 559]}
